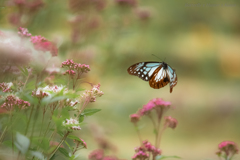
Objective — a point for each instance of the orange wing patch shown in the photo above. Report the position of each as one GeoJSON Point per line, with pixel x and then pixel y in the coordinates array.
{"type": "Point", "coordinates": [158, 84]}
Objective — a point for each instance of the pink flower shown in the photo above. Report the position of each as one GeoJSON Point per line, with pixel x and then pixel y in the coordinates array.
{"type": "Point", "coordinates": [227, 148]}
{"type": "Point", "coordinates": [23, 32]}
{"type": "Point", "coordinates": [157, 102]}
{"type": "Point", "coordinates": [170, 122]}
{"type": "Point", "coordinates": [42, 44]}
{"type": "Point", "coordinates": [140, 155]}
{"type": "Point", "coordinates": [11, 101]}
{"type": "Point", "coordinates": [96, 155]}
{"type": "Point", "coordinates": [134, 118]}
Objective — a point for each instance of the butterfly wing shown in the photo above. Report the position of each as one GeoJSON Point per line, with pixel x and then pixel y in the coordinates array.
{"type": "Point", "coordinates": [172, 77]}
{"type": "Point", "coordinates": [144, 70]}
{"type": "Point", "coordinates": [159, 78]}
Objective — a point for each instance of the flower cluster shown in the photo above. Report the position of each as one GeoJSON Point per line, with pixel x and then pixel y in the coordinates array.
{"type": "Point", "coordinates": [141, 152]}
{"type": "Point", "coordinates": [153, 104]}
{"type": "Point", "coordinates": [82, 67]}
{"type": "Point", "coordinates": [74, 68]}
{"type": "Point", "coordinates": [227, 149]}
{"type": "Point", "coordinates": [23, 32]}
{"type": "Point", "coordinates": [71, 124]}
{"type": "Point", "coordinates": [96, 155]}
{"type": "Point", "coordinates": [6, 87]}
{"type": "Point", "coordinates": [71, 103]}
{"type": "Point", "coordinates": [11, 101]}
{"type": "Point", "coordinates": [42, 44]}
{"type": "Point", "coordinates": [81, 142]}
{"type": "Point", "coordinates": [134, 118]}
{"type": "Point", "coordinates": [47, 91]}
{"type": "Point", "coordinates": [141, 155]}
{"type": "Point", "coordinates": [170, 122]}
{"type": "Point", "coordinates": [91, 95]}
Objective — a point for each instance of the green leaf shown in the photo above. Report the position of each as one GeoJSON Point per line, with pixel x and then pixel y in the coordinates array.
{"type": "Point", "coordinates": [81, 118]}
{"type": "Point", "coordinates": [38, 155]}
{"type": "Point", "coordinates": [89, 112]}
{"type": "Point", "coordinates": [23, 70]}
{"type": "Point", "coordinates": [53, 157]}
{"type": "Point", "coordinates": [74, 137]}
{"type": "Point", "coordinates": [64, 152]}
{"type": "Point", "coordinates": [22, 143]}
{"type": "Point", "coordinates": [160, 157]}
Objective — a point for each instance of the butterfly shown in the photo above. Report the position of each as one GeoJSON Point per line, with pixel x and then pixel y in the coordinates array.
{"type": "Point", "coordinates": [159, 74]}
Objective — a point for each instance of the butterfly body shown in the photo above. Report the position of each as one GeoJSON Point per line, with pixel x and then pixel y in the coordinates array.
{"type": "Point", "coordinates": [159, 74]}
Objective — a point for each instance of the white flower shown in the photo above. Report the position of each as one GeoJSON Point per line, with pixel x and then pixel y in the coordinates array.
{"type": "Point", "coordinates": [71, 124]}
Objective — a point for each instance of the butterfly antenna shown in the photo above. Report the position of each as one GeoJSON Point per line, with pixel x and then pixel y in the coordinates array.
{"type": "Point", "coordinates": [156, 56]}
{"type": "Point", "coordinates": [164, 59]}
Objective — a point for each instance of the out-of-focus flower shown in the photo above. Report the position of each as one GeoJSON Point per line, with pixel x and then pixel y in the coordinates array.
{"type": "Point", "coordinates": [82, 67]}
{"type": "Point", "coordinates": [91, 95]}
{"type": "Point", "coordinates": [14, 19]}
{"type": "Point", "coordinates": [14, 51]}
{"type": "Point", "coordinates": [42, 44]}
{"type": "Point", "coordinates": [81, 142]}
{"type": "Point", "coordinates": [126, 3]}
{"type": "Point", "coordinates": [140, 155]}
{"type": "Point", "coordinates": [96, 155]}
{"type": "Point", "coordinates": [6, 87]}
{"type": "Point", "coordinates": [12, 101]}
{"type": "Point", "coordinates": [134, 118]}
{"type": "Point", "coordinates": [72, 103]}
{"type": "Point", "coordinates": [23, 32]}
{"type": "Point", "coordinates": [143, 13]}
{"type": "Point", "coordinates": [71, 124]}
{"type": "Point", "coordinates": [170, 122]}
{"type": "Point", "coordinates": [47, 91]}
{"type": "Point", "coordinates": [227, 149]}
{"type": "Point", "coordinates": [68, 63]}
{"type": "Point", "coordinates": [152, 104]}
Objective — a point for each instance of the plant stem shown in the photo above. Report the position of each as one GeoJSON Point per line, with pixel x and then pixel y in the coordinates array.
{"type": "Point", "coordinates": [139, 135]}
{"type": "Point", "coordinates": [63, 139]}
{"type": "Point", "coordinates": [29, 120]}
{"type": "Point", "coordinates": [3, 134]}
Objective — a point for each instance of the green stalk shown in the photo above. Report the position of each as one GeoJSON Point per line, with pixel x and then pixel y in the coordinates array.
{"type": "Point", "coordinates": [63, 139]}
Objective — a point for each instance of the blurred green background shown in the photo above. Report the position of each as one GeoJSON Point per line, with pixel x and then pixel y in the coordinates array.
{"type": "Point", "coordinates": [199, 39]}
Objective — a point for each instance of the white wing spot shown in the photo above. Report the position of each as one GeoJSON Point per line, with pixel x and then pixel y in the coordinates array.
{"type": "Point", "coordinates": [146, 78]}
{"type": "Point", "coordinates": [141, 70]}
{"type": "Point", "coordinates": [134, 72]}
{"type": "Point", "coordinates": [138, 72]}
{"type": "Point", "coordinates": [144, 72]}
{"type": "Point", "coordinates": [142, 75]}
{"type": "Point", "coordinates": [144, 67]}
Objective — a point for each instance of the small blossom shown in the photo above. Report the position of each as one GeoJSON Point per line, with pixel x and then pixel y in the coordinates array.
{"type": "Point", "coordinates": [71, 124]}
{"type": "Point", "coordinates": [96, 155]}
{"type": "Point", "coordinates": [170, 122]}
{"type": "Point", "coordinates": [134, 118]}
{"type": "Point", "coordinates": [143, 13]}
{"type": "Point", "coordinates": [47, 91]}
{"type": "Point", "coordinates": [6, 87]}
{"type": "Point", "coordinates": [227, 148]}
{"type": "Point", "coordinates": [68, 63]}
{"type": "Point", "coordinates": [23, 32]}
{"type": "Point", "coordinates": [91, 95]}
{"type": "Point", "coordinates": [152, 104]}
{"type": "Point", "coordinates": [82, 67]}
{"type": "Point", "coordinates": [140, 155]}
{"type": "Point", "coordinates": [12, 101]}
{"type": "Point", "coordinates": [81, 142]}
{"type": "Point", "coordinates": [70, 72]}
{"type": "Point", "coordinates": [42, 44]}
